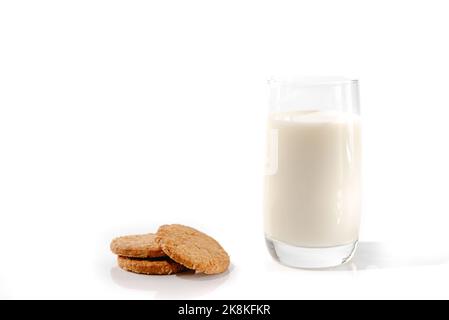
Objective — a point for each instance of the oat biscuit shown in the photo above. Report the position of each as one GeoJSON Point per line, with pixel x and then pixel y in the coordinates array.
{"type": "Point", "coordinates": [137, 246]}
{"type": "Point", "coordinates": [192, 248]}
{"type": "Point", "coordinates": [162, 266]}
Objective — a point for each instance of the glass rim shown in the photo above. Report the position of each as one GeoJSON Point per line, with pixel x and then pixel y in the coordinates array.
{"type": "Point", "coordinates": [311, 81]}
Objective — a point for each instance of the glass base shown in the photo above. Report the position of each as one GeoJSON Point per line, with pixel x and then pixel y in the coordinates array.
{"type": "Point", "coordinates": [310, 258]}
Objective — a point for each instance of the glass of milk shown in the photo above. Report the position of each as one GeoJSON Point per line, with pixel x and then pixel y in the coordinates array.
{"type": "Point", "coordinates": [312, 179]}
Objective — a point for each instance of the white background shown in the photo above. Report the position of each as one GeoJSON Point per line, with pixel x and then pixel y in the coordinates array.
{"type": "Point", "coordinates": [119, 116]}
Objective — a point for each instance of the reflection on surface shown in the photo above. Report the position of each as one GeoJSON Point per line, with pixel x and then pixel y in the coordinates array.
{"type": "Point", "coordinates": [184, 285]}
{"type": "Point", "coordinates": [378, 255]}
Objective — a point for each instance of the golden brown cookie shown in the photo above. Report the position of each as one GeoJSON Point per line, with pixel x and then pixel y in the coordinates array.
{"type": "Point", "coordinates": [137, 246]}
{"type": "Point", "coordinates": [146, 266]}
{"type": "Point", "coordinates": [192, 248]}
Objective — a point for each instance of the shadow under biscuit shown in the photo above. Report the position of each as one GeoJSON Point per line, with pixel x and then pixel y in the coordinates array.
{"type": "Point", "coordinates": [184, 285]}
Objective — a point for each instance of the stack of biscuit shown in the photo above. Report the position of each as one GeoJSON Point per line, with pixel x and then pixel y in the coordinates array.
{"type": "Point", "coordinates": [174, 248]}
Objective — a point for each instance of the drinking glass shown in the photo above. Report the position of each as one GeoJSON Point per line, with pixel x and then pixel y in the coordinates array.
{"type": "Point", "coordinates": [312, 202]}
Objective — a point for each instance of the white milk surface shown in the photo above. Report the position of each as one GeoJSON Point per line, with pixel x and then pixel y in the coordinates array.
{"type": "Point", "coordinates": [312, 182]}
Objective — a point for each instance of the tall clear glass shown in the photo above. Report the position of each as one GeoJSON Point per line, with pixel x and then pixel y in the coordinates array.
{"type": "Point", "coordinates": [312, 182]}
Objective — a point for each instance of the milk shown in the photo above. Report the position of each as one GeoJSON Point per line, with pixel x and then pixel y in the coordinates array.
{"type": "Point", "coordinates": [312, 182]}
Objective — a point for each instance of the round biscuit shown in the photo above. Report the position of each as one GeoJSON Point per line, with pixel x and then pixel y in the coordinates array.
{"type": "Point", "coordinates": [137, 246]}
{"type": "Point", "coordinates": [192, 248]}
{"type": "Point", "coordinates": [150, 267]}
